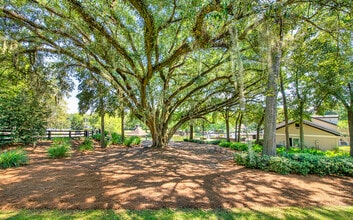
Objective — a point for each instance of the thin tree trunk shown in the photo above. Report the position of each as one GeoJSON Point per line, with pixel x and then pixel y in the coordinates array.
{"type": "Point", "coordinates": [236, 128]}
{"type": "Point", "coordinates": [285, 111]}
{"type": "Point", "coordinates": [227, 124]}
{"type": "Point", "coordinates": [239, 126]}
{"type": "Point", "coordinates": [258, 128]}
{"type": "Point", "coordinates": [102, 141]}
{"type": "Point", "coordinates": [191, 135]}
{"type": "Point", "coordinates": [122, 124]}
{"type": "Point", "coordinates": [350, 127]}
{"type": "Point", "coordinates": [301, 125]}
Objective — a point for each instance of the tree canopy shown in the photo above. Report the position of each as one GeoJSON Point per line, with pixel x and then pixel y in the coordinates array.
{"type": "Point", "coordinates": [175, 61]}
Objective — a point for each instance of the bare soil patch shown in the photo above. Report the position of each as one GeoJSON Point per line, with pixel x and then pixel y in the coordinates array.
{"type": "Point", "coordinates": [184, 175]}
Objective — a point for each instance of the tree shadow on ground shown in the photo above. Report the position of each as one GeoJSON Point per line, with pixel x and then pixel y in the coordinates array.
{"type": "Point", "coordinates": [181, 176]}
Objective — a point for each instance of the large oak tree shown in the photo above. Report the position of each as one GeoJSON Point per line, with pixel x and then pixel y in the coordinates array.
{"type": "Point", "coordinates": [145, 49]}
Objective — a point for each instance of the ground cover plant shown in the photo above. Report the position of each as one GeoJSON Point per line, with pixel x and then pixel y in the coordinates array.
{"type": "Point", "coordinates": [60, 148]}
{"type": "Point", "coordinates": [13, 158]}
{"type": "Point", "coordinates": [298, 161]}
{"type": "Point", "coordinates": [295, 160]}
{"type": "Point", "coordinates": [116, 138]}
{"type": "Point", "coordinates": [132, 140]}
{"type": "Point", "coordinates": [86, 145]}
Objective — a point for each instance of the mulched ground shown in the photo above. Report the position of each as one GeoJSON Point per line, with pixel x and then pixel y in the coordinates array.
{"type": "Point", "coordinates": [184, 175]}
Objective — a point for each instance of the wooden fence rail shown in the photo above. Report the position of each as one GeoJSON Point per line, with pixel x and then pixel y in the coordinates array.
{"type": "Point", "coordinates": [6, 135]}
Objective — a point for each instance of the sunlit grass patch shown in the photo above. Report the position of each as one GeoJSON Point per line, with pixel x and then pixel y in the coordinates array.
{"type": "Point", "coordinates": [343, 212]}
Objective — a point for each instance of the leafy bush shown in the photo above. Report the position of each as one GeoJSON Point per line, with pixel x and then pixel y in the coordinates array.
{"type": "Point", "coordinates": [107, 139]}
{"type": "Point", "coordinates": [239, 146]}
{"type": "Point", "coordinates": [225, 144]}
{"type": "Point", "coordinates": [59, 149]}
{"type": "Point", "coordinates": [298, 163]}
{"type": "Point", "coordinates": [87, 144]}
{"type": "Point", "coordinates": [116, 138]}
{"type": "Point", "coordinates": [280, 165]}
{"type": "Point", "coordinates": [257, 148]}
{"type": "Point", "coordinates": [214, 142]}
{"type": "Point", "coordinates": [13, 158]}
{"type": "Point", "coordinates": [97, 137]}
{"type": "Point", "coordinates": [133, 140]}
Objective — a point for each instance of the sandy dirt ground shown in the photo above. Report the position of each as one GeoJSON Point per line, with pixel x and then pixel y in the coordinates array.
{"type": "Point", "coordinates": [184, 175]}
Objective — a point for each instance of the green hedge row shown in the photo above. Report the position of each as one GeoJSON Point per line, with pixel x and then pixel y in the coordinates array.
{"type": "Point", "coordinates": [214, 142]}
{"type": "Point", "coordinates": [298, 163]}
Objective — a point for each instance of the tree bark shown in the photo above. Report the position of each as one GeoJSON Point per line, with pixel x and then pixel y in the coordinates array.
{"type": "Point", "coordinates": [191, 135]}
{"type": "Point", "coordinates": [227, 124]}
{"type": "Point", "coordinates": [122, 124]}
{"type": "Point", "coordinates": [102, 141]}
{"type": "Point", "coordinates": [236, 128]}
{"type": "Point", "coordinates": [350, 127]}
{"type": "Point", "coordinates": [159, 140]}
{"type": "Point", "coordinates": [285, 111]}
{"type": "Point", "coordinates": [239, 126]}
{"type": "Point", "coordinates": [269, 147]}
{"type": "Point", "coordinates": [301, 125]}
{"type": "Point", "coordinates": [274, 65]}
{"type": "Point", "coordinates": [258, 128]}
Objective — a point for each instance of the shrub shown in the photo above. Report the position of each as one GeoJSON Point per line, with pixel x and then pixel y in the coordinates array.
{"type": "Point", "coordinates": [279, 165]}
{"type": "Point", "coordinates": [225, 144]}
{"type": "Point", "coordinates": [13, 158]}
{"type": "Point", "coordinates": [239, 146]}
{"type": "Point", "coordinates": [133, 140]}
{"type": "Point", "coordinates": [241, 158]}
{"type": "Point", "coordinates": [59, 149]}
{"type": "Point", "coordinates": [257, 148]}
{"type": "Point", "coordinates": [116, 138]}
{"type": "Point", "coordinates": [298, 163]}
{"type": "Point", "coordinates": [97, 137]}
{"type": "Point", "coordinates": [87, 144]}
{"type": "Point", "coordinates": [107, 139]}
{"type": "Point", "coordinates": [215, 142]}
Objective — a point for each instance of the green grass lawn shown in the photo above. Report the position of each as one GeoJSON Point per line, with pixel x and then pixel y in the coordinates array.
{"type": "Point", "coordinates": [260, 213]}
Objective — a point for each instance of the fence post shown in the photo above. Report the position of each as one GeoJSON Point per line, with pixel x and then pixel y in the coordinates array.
{"type": "Point", "coordinates": [49, 135]}
{"type": "Point", "coordinates": [86, 133]}
{"type": "Point", "coordinates": [69, 134]}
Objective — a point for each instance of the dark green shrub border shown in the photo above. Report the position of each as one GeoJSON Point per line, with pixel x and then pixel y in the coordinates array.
{"type": "Point", "coordinates": [300, 163]}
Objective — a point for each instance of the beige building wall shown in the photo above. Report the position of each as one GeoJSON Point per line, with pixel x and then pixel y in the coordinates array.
{"type": "Point", "coordinates": [313, 137]}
